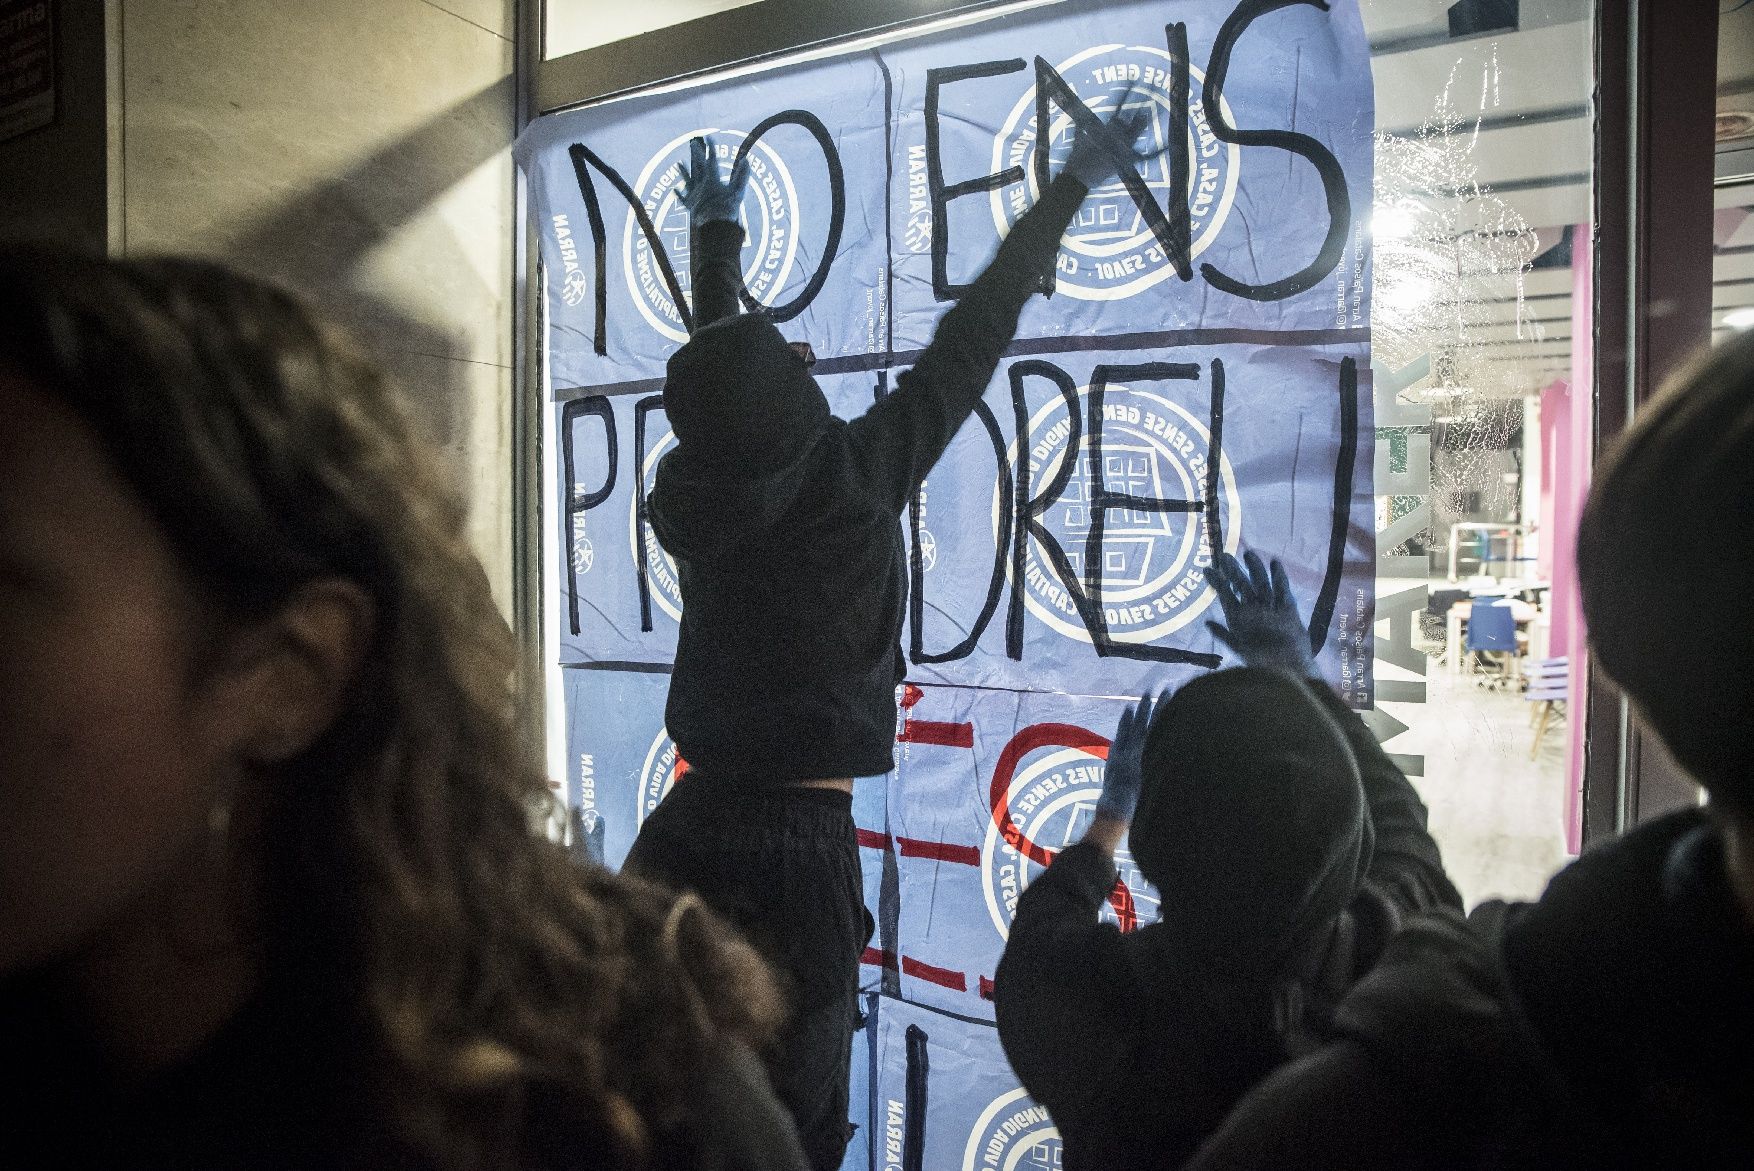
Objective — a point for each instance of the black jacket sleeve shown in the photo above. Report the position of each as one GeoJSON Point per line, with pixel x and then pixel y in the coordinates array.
{"type": "Point", "coordinates": [1406, 868]}
{"type": "Point", "coordinates": [715, 257]}
{"type": "Point", "coordinates": [1433, 1066]}
{"type": "Point", "coordinates": [741, 1124]}
{"type": "Point", "coordinates": [1062, 983]}
{"type": "Point", "coordinates": [900, 438]}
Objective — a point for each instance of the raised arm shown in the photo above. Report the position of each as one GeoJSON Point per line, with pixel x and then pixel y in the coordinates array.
{"type": "Point", "coordinates": [715, 256]}
{"type": "Point", "coordinates": [901, 437]}
{"type": "Point", "coordinates": [1065, 984]}
{"type": "Point", "coordinates": [715, 237]}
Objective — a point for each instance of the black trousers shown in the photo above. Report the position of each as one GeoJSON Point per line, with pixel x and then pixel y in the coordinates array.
{"type": "Point", "coordinates": [782, 865]}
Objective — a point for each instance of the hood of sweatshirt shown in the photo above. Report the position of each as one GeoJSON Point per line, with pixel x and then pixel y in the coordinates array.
{"type": "Point", "coordinates": [740, 399]}
{"type": "Point", "coordinates": [1252, 823]}
{"type": "Point", "coordinates": [746, 414]}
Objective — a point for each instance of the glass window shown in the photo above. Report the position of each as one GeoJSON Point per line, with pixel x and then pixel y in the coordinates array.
{"type": "Point", "coordinates": [1732, 303]}
{"type": "Point", "coordinates": [1439, 342]}
{"type": "Point", "coordinates": [1480, 375]}
{"type": "Point", "coordinates": [1480, 344]}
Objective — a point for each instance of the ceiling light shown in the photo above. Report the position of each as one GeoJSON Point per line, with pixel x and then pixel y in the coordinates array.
{"type": "Point", "coordinates": [1740, 318]}
{"type": "Point", "coordinates": [1407, 296]}
{"type": "Point", "coordinates": [1391, 223]}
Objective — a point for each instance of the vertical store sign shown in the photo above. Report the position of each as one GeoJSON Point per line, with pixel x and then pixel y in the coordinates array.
{"type": "Point", "coordinates": [1403, 484]}
{"type": "Point", "coordinates": [27, 66]}
{"type": "Point", "coordinates": [1199, 381]}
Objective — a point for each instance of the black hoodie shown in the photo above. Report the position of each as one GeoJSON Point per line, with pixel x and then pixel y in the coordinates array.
{"type": "Point", "coordinates": [1609, 1025]}
{"type": "Point", "coordinates": [784, 520]}
{"type": "Point", "coordinates": [1285, 847]}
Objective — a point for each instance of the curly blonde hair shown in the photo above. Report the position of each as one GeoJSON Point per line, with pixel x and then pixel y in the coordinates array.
{"type": "Point", "coordinates": [403, 877]}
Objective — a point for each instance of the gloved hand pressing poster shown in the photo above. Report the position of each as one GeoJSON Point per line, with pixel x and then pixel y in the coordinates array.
{"type": "Point", "coordinates": [989, 787]}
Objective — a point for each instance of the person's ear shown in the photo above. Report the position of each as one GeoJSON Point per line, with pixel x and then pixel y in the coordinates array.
{"type": "Point", "coordinates": [286, 676]}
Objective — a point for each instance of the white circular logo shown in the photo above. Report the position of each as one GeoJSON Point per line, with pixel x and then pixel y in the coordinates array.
{"type": "Point", "coordinates": [572, 289]}
{"type": "Point", "coordinates": [1048, 803]}
{"type": "Point", "coordinates": [1153, 563]}
{"type": "Point", "coordinates": [928, 549]}
{"type": "Point", "coordinates": [1013, 1134]}
{"type": "Point", "coordinates": [769, 219]}
{"type": "Point", "coordinates": [1109, 252]}
{"type": "Point", "coordinates": [584, 554]}
{"type": "Point", "coordinates": [663, 767]}
{"type": "Point", "coordinates": [661, 577]}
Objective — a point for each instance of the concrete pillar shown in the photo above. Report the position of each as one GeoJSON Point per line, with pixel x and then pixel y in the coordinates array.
{"type": "Point", "coordinates": [356, 152]}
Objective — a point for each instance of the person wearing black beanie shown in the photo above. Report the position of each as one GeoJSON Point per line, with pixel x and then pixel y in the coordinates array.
{"type": "Point", "coordinates": [785, 525]}
{"type": "Point", "coordinates": [1285, 848]}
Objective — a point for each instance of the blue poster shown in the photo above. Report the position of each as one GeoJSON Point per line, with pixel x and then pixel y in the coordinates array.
{"type": "Point", "coordinates": [620, 760]}
{"type": "Point", "coordinates": [1198, 381]}
{"type": "Point", "coordinates": [1209, 234]}
{"type": "Point", "coordinates": [615, 238]}
{"type": "Point", "coordinates": [619, 599]}
{"type": "Point", "coordinates": [990, 786]}
{"type": "Point", "coordinates": [859, 1084]}
{"type": "Point", "coordinates": [1215, 298]}
{"type": "Point", "coordinates": [1066, 550]}
{"type": "Point", "coordinates": [871, 819]}
{"type": "Point", "coordinates": [947, 1080]}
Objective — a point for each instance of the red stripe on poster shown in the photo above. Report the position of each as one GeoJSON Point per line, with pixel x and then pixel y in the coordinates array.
{"type": "Point", "coordinates": [943, 977]}
{"type": "Point", "coordinates": [936, 732]}
{"type": "Point", "coordinates": [878, 959]}
{"type": "Point", "coordinates": [1121, 899]}
{"type": "Point", "coordinates": [872, 840]}
{"type": "Point", "coordinates": [942, 851]}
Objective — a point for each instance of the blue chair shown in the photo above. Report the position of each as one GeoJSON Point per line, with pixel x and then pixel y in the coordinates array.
{"type": "Point", "coordinates": [1549, 684]}
{"type": "Point", "coordinates": [1492, 631]}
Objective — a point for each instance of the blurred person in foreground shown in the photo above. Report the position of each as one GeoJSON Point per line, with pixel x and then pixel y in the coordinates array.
{"type": "Point", "coordinates": [273, 895]}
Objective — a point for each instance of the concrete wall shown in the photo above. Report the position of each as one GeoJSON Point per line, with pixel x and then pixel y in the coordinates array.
{"type": "Point", "coordinates": [356, 150]}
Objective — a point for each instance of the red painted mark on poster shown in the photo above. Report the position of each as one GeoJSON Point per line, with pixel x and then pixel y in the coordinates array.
{"type": "Point", "coordinates": [879, 959]}
{"type": "Point", "coordinates": [871, 839]}
{"type": "Point", "coordinates": [941, 851]}
{"type": "Point", "coordinates": [931, 973]}
{"type": "Point", "coordinates": [935, 732]}
{"type": "Point", "coordinates": [1028, 740]}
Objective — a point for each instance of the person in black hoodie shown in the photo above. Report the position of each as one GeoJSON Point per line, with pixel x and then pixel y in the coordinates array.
{"type": "Point", "coordinates": [784, 523]}
{"type": "Point", "coordinates": [1285, 848]}
{"type": "Point", "coordinates": [1611, 1023]}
